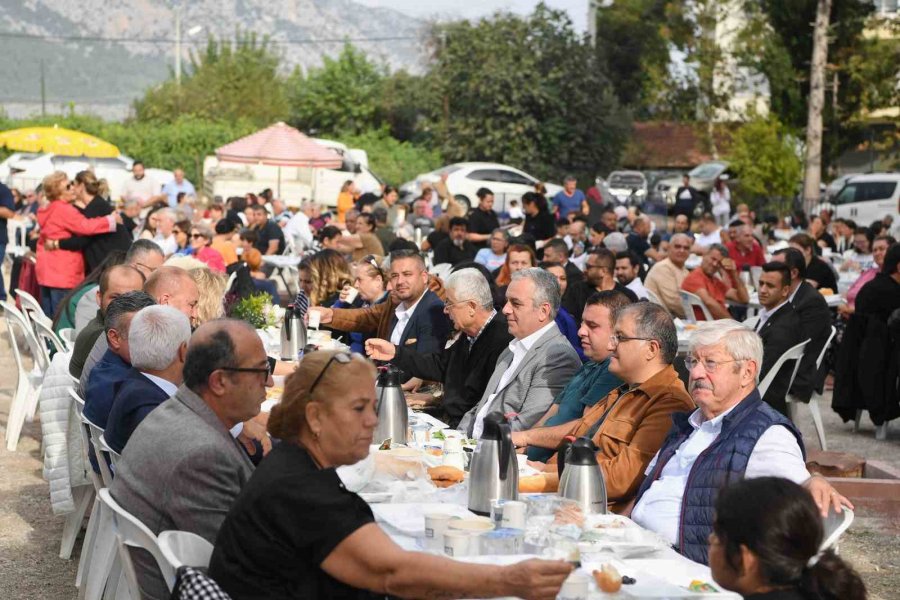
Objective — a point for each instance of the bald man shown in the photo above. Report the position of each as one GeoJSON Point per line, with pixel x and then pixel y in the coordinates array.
{"type": "Point", "coordinates": [185, 447]}
{"type": "Point", "coordinates": [172, 286]}
{"type": "Point", "coordinates": [114, 282]}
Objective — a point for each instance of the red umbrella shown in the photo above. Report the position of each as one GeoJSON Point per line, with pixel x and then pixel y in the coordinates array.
{"type": "Point", "coordinates": [280, 145]}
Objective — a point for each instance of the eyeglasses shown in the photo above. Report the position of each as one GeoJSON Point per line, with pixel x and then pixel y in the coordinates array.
{"type": "Point", "coordinates": [341, 357]}
{"type": "Point", "coordinates": [449, 304]}
{"type": "Point", "coordinates": [709, 365]}
{"type": "Point", "coordinates": [267, 370]}
{"type": "Point", "coordinates": [615, 339]}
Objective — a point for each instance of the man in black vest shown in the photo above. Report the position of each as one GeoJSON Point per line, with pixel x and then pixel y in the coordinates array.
{"type": "Point", "coordinates": [732, 435]}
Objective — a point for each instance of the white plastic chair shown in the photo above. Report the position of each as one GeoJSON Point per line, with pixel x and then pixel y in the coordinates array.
{"type": "Point", "coordinates": [688, 301]}
{"type": "Point", "coordinates": [651, 297]}
{"type": "Point", "coordinates": [796, 354]}
{"type": "Point", "coordinates": [835, 524]}
{"type": "Point", "coordinates": [106, 449]}
{"type": "Point", "coordinates": [32, 308]}
{"type": "Point", "coordinates": [67, 335]}
{"type": "Point", "coordinates": [814, 400]}
{"type": "Point", "coordinates": [183, 548]}
{"type": "Point", "coordinates": [751, 322]}
{"type": "Point", "coordinates": [48, 338]}
{"type": "Point", "coordinates": [28, 386]}
{"type": "Point", "coordinates": [131, 533]}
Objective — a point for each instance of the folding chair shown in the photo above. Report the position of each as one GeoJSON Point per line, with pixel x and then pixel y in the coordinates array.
{"type": "Point", "coordinates": [814, 400]}
{"type": "Point", "coordinates": [28, 386]}
{"type": "Point", "coordinates": [688, 301]}
{"type": "Point", "coordinates": [651, 297]}
{"type": "Point", "coordinates": [795, 353]}
{"type": "Point", "coordinates": [32, 308]}
{"type": "Point", "coordinates": [48, 338]}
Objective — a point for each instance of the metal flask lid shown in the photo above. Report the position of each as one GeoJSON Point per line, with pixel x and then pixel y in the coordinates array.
{"type": "Point", "coordinates": [583, 452]}
{"type": "Point", "coordinates": [388, 376]}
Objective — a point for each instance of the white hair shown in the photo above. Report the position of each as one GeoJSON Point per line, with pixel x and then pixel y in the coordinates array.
{"type": "Point", "coordinates": [615, 242]}
{"type": "Point", "coordinates": [740, 342]}
{"type": "Point", "coordinates": [470, 284]}
{"type": "Point", "coordinates": [155, 335]}
{"type": "Point", "coordinates": [166, 213]}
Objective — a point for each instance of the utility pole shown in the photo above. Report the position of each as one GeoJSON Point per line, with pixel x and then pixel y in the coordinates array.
{"type": "Point", "coordinates": [178, 46]}
{"type": "Point", "coordinates": [43, 92]}
{"type": "Point", "coordinates": [812, 176]}
{"type": "Point", "coordinates": [592, 22]}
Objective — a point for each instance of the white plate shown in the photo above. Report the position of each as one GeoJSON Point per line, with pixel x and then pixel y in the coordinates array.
{"type": "Point", "coordinates": [376, 497]}
{"type": "Point", "coordinates": [409, 518]}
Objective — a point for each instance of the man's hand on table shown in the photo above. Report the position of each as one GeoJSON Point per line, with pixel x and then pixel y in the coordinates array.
{"type": "Point", "coordinates": [377, 349]}
{"type": "Point", "coordinates": [417, 400]}
{"type": "Point", "coordinates": [537, 579]}
{"type": "Point", "coordinates": [825, 496]}
{"type": "Point", "coordinates": [255, 430]}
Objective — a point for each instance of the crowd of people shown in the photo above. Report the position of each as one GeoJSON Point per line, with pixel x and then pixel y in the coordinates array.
{"type": "Point", "coordinates": [563, 319]}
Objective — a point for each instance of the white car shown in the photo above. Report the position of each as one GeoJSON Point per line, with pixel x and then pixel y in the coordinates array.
{"type": "Point", "coordinates": [868, 198]}
{"type": "Point", "coordinates": [27, 173]}
{"type": "Point", "coordinates": [464, 179]}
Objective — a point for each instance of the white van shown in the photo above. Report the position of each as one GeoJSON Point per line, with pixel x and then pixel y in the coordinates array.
{"type": "Point", "coordinates": [868, 198]}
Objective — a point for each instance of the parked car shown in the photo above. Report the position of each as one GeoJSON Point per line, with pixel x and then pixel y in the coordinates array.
{"type": "Point", "coordinates": [702, 178]}
{"type": "Point", "coordinates": [28, 172]}
{"type": "Point", "coordinates": [628, 187]}
{"type": "Point", "coordinates": [868, 198]}
{"type": "Point", "coordinates": [836, 186]}
{"type": "Point", "coordinates": [464, 179]}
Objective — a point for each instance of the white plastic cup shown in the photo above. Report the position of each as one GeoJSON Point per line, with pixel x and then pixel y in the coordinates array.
{"type": "Point", "coordinates": [457, 543]}
{"type": "Point", "coordinates": [514, 512]}
{"type": "Point", "coordinates": [315, 319]}
{"type": "Point", "coordinates": [435, 526]}
{"type": "Point", "coordinates": [575, 587]}
{"type": "Point", "coordinates": [352, 293]}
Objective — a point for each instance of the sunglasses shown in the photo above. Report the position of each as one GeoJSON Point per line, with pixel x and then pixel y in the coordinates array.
{"type": "Point", "coordinates": [341, 357]}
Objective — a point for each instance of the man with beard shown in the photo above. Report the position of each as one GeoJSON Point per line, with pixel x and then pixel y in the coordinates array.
{"type": "Point", "coordinates": [457, 248]}
{"type": "Point", "coordinates": [599, 276]}
{"type": "Point", "coordinates": [142, 187]}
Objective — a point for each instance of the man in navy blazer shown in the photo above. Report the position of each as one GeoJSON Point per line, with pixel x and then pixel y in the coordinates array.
{"type": "Point", "coordinates": [158, 339]}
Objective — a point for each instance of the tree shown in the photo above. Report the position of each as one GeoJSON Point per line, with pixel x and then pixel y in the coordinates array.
{"type": "Point", "coordinates": [342, 96]}
{"type": "Point", "coordinates": [765, 156]}
{"type": "Point", "coordinates": [524, 91]}
{"type": "Point", "coordinates": [228, 81]}
{"type": "Point", "coordinates": [812, 175]}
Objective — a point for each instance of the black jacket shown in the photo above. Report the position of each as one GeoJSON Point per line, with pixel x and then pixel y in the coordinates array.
{"type": "Point", "coordinates": [576, 297]}
{"type": "Point", "coordinates": [484, 223]}
{"type": "Point", "coordinates": [815, 325]}
{"type": "Point", "coordinates": [465, 373]}
{"type": "Point", "coordinates": [573, 273]}
{"type": "Point", "coordinates": [686, 207]}
{"type": "Point", "coordinates": [97, 247]}
{"type": "Point", "coordinates": [819, 271]}
{"type": "Point", "coordinates": [448, 252]}
{"type": "Point", "coordinates": [779, 333]}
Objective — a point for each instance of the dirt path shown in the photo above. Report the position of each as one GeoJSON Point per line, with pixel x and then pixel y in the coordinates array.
{"type": "Point", "coordinates": [30, 567]}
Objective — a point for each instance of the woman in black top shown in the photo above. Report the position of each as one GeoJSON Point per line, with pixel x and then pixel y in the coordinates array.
{"type": "Point", "coordinates": [295, 531]}
{"type": "Point", "coordinates": [818, 273]}
{"type": "Point", "coordinates": [539, 223]}
{"type": "Point", "coordinates": [765, 545]}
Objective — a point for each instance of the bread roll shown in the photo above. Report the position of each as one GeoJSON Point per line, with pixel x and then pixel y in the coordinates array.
{"type": "Point", "coordinates": [445, 476]}
{"type": "Point", "coordinates": [534, 484]}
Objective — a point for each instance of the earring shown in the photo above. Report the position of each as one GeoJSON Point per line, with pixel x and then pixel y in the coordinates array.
{"type": "Point", "coordinates": [316, 434]}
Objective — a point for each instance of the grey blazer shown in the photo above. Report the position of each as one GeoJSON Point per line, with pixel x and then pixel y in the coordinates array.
{"type": "Point", "coordinates": [543, 373]}
{"type": "Point", "coordinates": [181, 469]}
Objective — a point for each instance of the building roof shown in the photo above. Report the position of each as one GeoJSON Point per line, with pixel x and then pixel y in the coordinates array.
{"type": "Point", "coordinates": [668, 145]}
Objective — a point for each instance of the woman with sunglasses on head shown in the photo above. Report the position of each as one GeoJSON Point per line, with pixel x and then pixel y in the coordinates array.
{"type": "Point", "coordinates": [296, 531]}
{"type": "Point", "coordinates": [765, 545]}
{"type": "Point", "coordinates": [201, 238]}
{"type": "Point", "coordinates": [371, 283]}
{"type": "Point", "coordinates": [59, 270]}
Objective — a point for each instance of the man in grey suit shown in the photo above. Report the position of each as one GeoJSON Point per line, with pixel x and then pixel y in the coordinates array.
{"type": "Point", "coordinates": [182, 467]}
{"type": "Point", "coordinates": [539, 362]}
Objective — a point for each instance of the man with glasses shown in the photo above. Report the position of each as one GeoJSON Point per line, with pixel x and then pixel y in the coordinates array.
{"type": "Point", "coordinates": [665, 277]}
{"type": "Point", "coordinates": [732, 435]}
{"type": "Point", "coordinates": [629, 424]}
{"type": "Point", "coordinates": [183, 468]}
{"type": "Point", "coordinates": [467, 366]}
{"type": "Point", "coordinates": [599, 276]}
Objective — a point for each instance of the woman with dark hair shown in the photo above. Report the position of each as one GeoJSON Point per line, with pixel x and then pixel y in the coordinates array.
{"type": "Point", "coordinates": [518, 257]}
{"type": "Point", "coordinates": [148, 231]}
{"type": "Point", "coordinates": [766, 543]}
{"type": "Point", "coordinates": [818, 272]}
{"type": "Point", "coordinates": [182, 233]}
{"type": "Point", "coordinates": [539, 223]}
{"type": "Point", "coordinates": [201, 237]}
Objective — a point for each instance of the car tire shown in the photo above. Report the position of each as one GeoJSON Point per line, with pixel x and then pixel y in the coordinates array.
{"type": "Point", "coordinates": [464, 201]}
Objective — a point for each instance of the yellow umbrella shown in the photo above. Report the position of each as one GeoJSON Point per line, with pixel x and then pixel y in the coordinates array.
{"type": "Point", "coordinates": [57, 141]}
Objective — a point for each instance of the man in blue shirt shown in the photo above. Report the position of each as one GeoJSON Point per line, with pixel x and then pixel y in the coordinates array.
{"type": "Point", "coordinates": [593, 381]}
{"type": "Point", "coordinates": [176, 186]}
{"type": "Point", "coordinates": [7, 211]}
{"type": "Point", "coordinates": [569, 199]}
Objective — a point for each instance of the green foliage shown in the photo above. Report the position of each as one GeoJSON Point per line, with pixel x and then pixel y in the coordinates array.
{"type": "Point", "coordinates": [340, 97]}
{"type": "Point", "coordinates": [875, 69]}
{"type": "Point", "coordinates": [393, 160]}
{"type": "Point", "coordinates": [765, 155]}
{"type": "Point", "coordinates": [228, 81]}
{"type": "Point", "coordinates": [523, 91]}
{"type": "Point", "coordinates": [256, 310]}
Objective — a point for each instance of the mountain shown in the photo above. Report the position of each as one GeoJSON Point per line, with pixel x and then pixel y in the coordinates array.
{"type": "Point", "coordinates": [82, 68]}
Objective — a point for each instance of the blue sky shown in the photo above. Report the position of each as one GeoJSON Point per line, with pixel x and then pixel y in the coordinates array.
{"type": "Point", "coordinates": [474, 9]}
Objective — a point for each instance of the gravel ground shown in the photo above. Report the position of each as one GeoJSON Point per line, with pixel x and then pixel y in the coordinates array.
{"type": "Point", "coordinates": [30, 567]}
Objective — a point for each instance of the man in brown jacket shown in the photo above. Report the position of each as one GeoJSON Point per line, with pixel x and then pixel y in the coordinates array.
{"type": "Point", "coordinates": [629, 424]}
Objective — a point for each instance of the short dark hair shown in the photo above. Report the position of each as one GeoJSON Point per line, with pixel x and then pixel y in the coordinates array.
{"type": "Point", "coordinates": [779, 267]}
{"type": "Point", "coordinates": [483, 192]}
{"type": "Point", "coordinates": [607, 258]}
{"type": "Point", "coordinates": [207, 356]}
{"type": "Point", "coordinates": [803, 240]}
{"type": "Point", "coordinates": [459, 222]}
{"type": "Point", "coordinates": [614, 300]}
{"type": "Point", "coordinates": [224, 226]}
{"type": "Point", "coordinates": [402, 244]}
{"type": "Point", "coordinates": [793, 258]}
{"type": "Point", "coordinates": [559, 245]}
{"type": "Point", "coordinates": [135, 163]}
{"type": "Point", "coordinates": [891, 260]}
{"type": "Point", "coordinates": [562, 222]}
{"type": "Point", "coordinates": [258, 208]}
{"type": "Point", "coordinates": [599, 227]}
{"type": "Point", "coordinates": [654, 322]}
{"type": "Point", "coordinates": [380, 215]}
{"type": "Point", "coordinates": [411, 254]}
{"type": "Point", "coordinates": [369, 218]}
{"type": "Point", "coordinates": [328, 232]}
{"type": "Point", "coordinates": [249, 234]}
{"type": "Point", "coordinates": [127, 303]}
{"type": "Point", "coordinates": [631, 256]}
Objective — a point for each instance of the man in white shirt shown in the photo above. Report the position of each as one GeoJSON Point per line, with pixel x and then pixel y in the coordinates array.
{"type": "Point", "coordinates": [141, 187]}
{"type": "Point", "coordinates": [165, 237]}
{"type": "Point", "coordinates": [297, 230]}
{"type": "Point", "coordinates": [710, 233]}
{"type": "Point", "coordinates": [628, 265]}
{"type": "Point", "coordinates": [732, 435]}
{"type": "Point", "coordinates": [539, 362]}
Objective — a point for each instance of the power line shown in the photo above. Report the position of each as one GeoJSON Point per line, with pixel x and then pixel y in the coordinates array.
{"type": "Point", "coordinates": [276, 42]}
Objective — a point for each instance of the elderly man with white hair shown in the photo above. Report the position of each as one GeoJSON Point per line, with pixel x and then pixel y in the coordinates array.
{"type": "Point", "coordinates": [732, 435]}
{"type": "Point", "coordinates": [467, 366]}
{"type": "Point", "coordinates": [157, 339]}
{"type": "Point", "coordinates": [165, 238]}
{"type": "Point", "coordinates": [538, 363]}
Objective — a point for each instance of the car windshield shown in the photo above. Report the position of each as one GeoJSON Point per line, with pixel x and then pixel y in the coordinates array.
{"type": "Point", "coordinates": [862, 191]}
{"type": "Point", "coordinates": [708, 170]}
{"type": "Point", "coordinates": [626, 180]}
